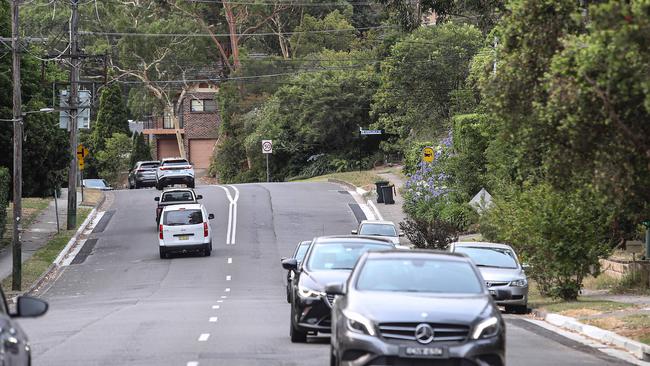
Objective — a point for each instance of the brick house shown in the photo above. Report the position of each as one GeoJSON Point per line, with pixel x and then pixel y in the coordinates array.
{"type": "Point", "coordinates": [199, 121]}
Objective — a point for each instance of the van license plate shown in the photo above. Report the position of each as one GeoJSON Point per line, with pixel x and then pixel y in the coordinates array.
{"type": "Point", "coordinates": [183, 237]}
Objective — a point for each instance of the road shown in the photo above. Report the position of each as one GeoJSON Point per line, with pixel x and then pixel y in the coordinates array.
{"type": "Point", "coordinates": [119, 304]}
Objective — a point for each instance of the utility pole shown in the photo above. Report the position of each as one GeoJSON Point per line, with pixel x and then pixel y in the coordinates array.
{"type": "Point", "coordinates": [74, 112]}
{"type": "Point", "coordinates": [18, 149]}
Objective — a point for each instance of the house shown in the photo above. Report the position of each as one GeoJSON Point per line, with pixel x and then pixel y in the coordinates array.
{"type": "Point", "coordinates": [199, 122]}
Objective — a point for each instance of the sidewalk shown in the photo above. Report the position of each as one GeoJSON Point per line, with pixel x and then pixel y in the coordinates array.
{"type": "Point", "coordinates": [394, 212]}
{"type": "Point", "coordinates": [38, 234]}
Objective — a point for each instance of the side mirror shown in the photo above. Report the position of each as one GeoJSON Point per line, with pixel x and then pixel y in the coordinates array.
{"type": "Point", "coordinates": [198, 196]}
{"type": "Point", "coordinates": [500, 295]}
{"type": "Point", "coordinates": [30, 307]}
{"type": "Point", "coordinates": [290, 264]}
{"type": "Point", "coordinates": [354, 232]}
{"type": "Point", "coordinates": [157, 199]}
{"type": "Point", "coordinates": [210, 216]}
{"type": "Point", "coordinates": [282, 259]}
{"type": "Point", "coordinates": [525, 266]}
{"type": "Point", "coordinates": [335, 289]}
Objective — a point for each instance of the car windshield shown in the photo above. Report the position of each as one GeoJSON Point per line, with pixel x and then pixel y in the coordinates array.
{"type": "Point", "coordinates": [176, 162]}
{"type": "Point", "coordinates": [95, 183]}
{"type": "Point", "coordinates": [490, 257]}
{"type": "Point", "coordinates": [330, 256]}
{"type": "Point", "coordinates": [183, 217]}
{"type": "Point", "coordinates": [149, 165]}
{"type": "Point", "coordinates": [177, 196]}
{"type": "Point", "coordinates": [378, 229]}
{"type": "Point", "coordinates": [418, 275]}
{"type": "Point", "coordinates": [302, 250]}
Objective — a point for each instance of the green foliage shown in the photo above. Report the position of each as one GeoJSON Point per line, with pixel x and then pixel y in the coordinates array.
{"type": "Point", "coordinates": [562, 235]}
{"type": "Point", "coordinates": [307, 43]}
{"type": "Point", "coordinates": [115, 158]}
{"type": "Point", "coordinates": [467, 168]}
{"type": "Point", "coordinates": [413, 156]}
{"type": "Point", "coordinates": [112, 117]}
{"type": "Point", "coordinates": [140, 151]}
{"type": "Point", "coordinates": [5, 185]}
{"type": "Point", "coordinates": [419, 77]}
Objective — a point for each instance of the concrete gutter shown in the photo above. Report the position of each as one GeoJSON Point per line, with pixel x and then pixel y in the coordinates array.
{"type": "Point", "coordinates": [362, 193]}
{"type": "Point", "coordinates": [638, 349]}
{"type": "Point", "coordinates": [53, 268]}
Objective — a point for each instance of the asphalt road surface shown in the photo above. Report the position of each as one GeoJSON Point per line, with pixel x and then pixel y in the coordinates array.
{"type": "Point", "coordinates": [120, 304]}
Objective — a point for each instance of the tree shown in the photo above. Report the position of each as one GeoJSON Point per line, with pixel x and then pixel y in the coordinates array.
{"type": "Point", "coordinates": [418, 78]}
{"type": "Point", "coordinates": [112, 117]}
{"type": "Point", "coordinates": [307, 43]}
{"type": "Point", "coordinates": [140, 151]}
{"type": "Point", "coordinates": [115, 158]}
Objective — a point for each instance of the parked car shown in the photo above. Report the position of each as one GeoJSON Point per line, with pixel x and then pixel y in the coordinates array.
{"type": "Point", "coordinates": [143, 174]}
{"type": "Point", "coordinates": [384, 229]}
{"type": "Point", "coordinates": [415, 308]}
{"type": "Point", "coordinates": [174, 171]}
{"type": "Point", "coordinates": [15, 349]}
{"type": "Point", "coordinates": [328, 259]}
{"type": "Point", "coordinates": [178, 196]}
{"type": "Point", "coordinates": [298, 255]}
{"type": "Point", "coordinates": [500, 269]}
{"type": "Point", "coordinates": [185, 228]}
{"type": "Point", "coordinates": [100, 184]}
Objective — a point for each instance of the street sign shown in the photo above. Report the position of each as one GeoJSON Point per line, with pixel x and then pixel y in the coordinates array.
{"type": "Point", "coordinates": [82, 152]}
{"type": "Point", "coordinates": [370, 132]}
{"type": "Point", "coordinates": [427, 154]}
{"type": "Point", "coordinates": [267, 147]}
{"type": "Point", "coordinates": [82, 164]}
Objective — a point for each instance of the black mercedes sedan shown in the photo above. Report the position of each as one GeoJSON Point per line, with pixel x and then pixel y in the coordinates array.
{"type": "Point", "coordinates": [415, 308]}
{"type": "Point", "coordinates": [328, 259]}
{"type": "Point", "coordinates": [14, 345]}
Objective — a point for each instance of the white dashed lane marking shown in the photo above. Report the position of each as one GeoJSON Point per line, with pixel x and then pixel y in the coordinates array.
{"type": "Point", "coordinates": [228, 278]}
{"type": "Point", "coordinates": [192, 363]}
{"type": "Point", "coordinates": [219, 301]}
{"type": "Point", "coordinates": [215, 307]}
{"type": "Point", "coordinates": [224, 297]}
{"type": "Point", "coordinates": [227, 289]}
{"type": "Point", "coordinates": [204, 337]}
{"type": "Point", "coordinates": [229, 260]}
{"type": "Point", "coordinates": [213, 319]}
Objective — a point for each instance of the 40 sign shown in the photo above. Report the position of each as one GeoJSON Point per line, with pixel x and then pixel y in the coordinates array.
{"type": "Point", "coordinates": [267, 146]}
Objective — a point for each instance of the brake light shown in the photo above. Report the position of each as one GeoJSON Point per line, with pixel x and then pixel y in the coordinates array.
{"type": "Point", "coordinates": [205, 229]}
{"type": "Point", "coordinates": [161, 231]}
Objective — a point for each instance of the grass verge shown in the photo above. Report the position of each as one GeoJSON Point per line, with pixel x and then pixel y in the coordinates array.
{"type": "Point", "coordinates": [635, 326]}
{"type": "Point", "coordinates": [360, 179]}
{"type": "Point", "coordinates": [32, 207]}
{"type": "Point", "coordinates": [38, 263]}
{"type": "Point", "coordinates": [576, 309]}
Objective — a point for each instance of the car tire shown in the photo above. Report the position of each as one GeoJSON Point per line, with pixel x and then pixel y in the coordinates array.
{"type": "Point", "coordinates": [333, 359]}
{"type": "Point", "coordinates": [159, 186]}
{"type": "Point", "coordinates": [297, 335]}
{"type": "Point", "coordinates": [208, 250]}
{"type": "Point", "coordinates": [163, 253]}
{"type": "Point", "coordinates": [136, 185]}
{"type": "Point", "coordinates": [190, 185]}
{"type": "Point", "coordinates": [288, 296]}
{"type": "Point", "coordinates": [517, 309]}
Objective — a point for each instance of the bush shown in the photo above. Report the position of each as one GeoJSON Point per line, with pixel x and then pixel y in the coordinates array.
{"type": "Point", "coordinates": [5, 180]}
{"type": "Point", "coordinates": [561, 234]}
{"type": "Point", "coordinates": [429, 233]}
{"type": "Point", "coordinates": [115, 158]}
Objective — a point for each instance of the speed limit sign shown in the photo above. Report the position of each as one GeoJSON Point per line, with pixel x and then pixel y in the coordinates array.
{"type": "Point", "coordinates": [267, 146]}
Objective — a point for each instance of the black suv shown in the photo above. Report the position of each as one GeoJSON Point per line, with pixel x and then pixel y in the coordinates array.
{"type": "Point", "coordinates": [329, 259]}
{"type": "Point", "coordinates": [14, 345]}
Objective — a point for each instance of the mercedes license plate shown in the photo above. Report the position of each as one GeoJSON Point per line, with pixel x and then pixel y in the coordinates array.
{"type": "Point", "coordinates": [423, 352]}
{"type": "Point", "coordinates": [183, 237]}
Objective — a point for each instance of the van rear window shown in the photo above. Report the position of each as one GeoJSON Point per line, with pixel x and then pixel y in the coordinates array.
{"type": "Point", "coordinates": [183, 217]}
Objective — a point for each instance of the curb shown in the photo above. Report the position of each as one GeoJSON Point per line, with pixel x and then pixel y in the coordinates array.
{"type": "Point", "coordinates": [57, 262]}
{"type": "Point", "coordinates": [638, 349]}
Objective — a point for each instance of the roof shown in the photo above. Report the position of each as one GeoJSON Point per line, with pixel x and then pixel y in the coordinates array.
{"type": "Point", "coordinates": [480, 244]}
{"type": "Point", "coordinates": [420, 253]}
{"type": "Point", "coordinates": [189, 206]}
{"type": "Point", "coordinates": [305, 242]}
{"type": "Point", "coordinates": [352, 239]}
{"type": "Point", "coordinates": [149, 162]}
{"type": "Point", "coordinates": [383, 222]}
{"type": "Point", "coordinates": [176, 158]}
{"type": "Point", "coordinates": [178, 190]}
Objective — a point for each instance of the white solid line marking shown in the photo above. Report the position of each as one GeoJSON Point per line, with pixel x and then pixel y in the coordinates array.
{"type": "Point", "coordinates": [234, 220]}
{"type": "Point", "coordinates": [229, 232]}
{"type": "Point", "coordinates": [227, 289]}
{"type": "Point", "coordinates": [228, 278]}
{"type": "Point", "coordinates": [215, 307]}
{"type": "Point", "coordinates": [204, 337]}
{"type": "Point", "coordinates": [213, 319]}
{"type": "Point", "coordinates": [192, 363]}
{"type": "Point", "coordinates": [229, 260]}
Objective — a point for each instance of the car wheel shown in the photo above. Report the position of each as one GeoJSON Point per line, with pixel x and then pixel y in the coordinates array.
{"type": "Point", "coordinates": [159, 186]}
{"type": "Point", "coordinates": [208, 250]}
{"type": "Point", "coordinates": [163, 253]}
{"type": "Point", "coordinates": [288, 295]}
{"type": "Point", "coordinates": [297, 335]}
{"type": "Point", "coordinates": [136, 185]}
{"type": "Point", "coordinates": [517, 309]}
{"type": "Point", "coordinates": [190, 185]}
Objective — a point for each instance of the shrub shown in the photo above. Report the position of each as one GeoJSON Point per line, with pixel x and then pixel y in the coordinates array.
{"type": "Point", "coordinates": [561, 234]}
{"type": "Point", "coordinates": [5, 180]}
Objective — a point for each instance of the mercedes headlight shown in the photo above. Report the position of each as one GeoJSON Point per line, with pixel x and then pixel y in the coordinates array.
{"type": "Point", "coordinates": [519, 283]}
{"type": "Point", "coordinates": [486, 328]}
{"type": "Point", "coordinates": [358, 323]}
{"type": "Point", "coordinates": [308, 293]}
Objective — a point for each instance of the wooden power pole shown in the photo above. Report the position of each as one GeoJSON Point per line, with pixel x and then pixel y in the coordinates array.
{"type": "Point", "coordinates": [18, 149]}
{"type": "Point", "coordinates": [74, 112]}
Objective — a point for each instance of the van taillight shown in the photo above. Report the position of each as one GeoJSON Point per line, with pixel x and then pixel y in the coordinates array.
{"type": "Point", "coordinates": [160, 229]}
{"type": "Point", "coordinates": [205, 229]}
